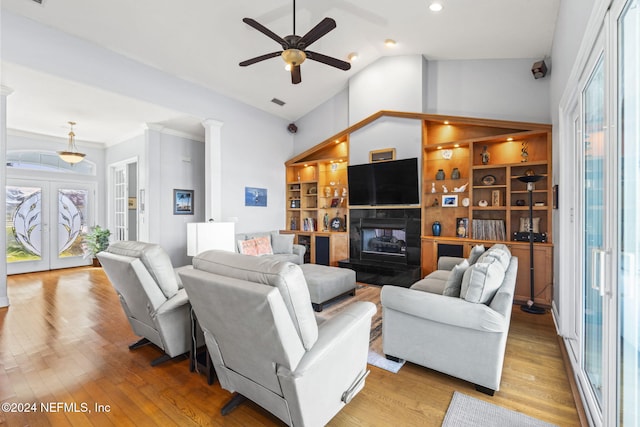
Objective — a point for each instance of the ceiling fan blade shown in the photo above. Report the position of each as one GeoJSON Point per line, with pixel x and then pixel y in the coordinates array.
{"type": "Point", "coordinates": [267, 32]}
{"type": "Point", "coordinates": [315, 56]}
{"type": "Point", "coordinates": [260, 58]}
{"type": "Point", "coordinates": [326, 25]}
{"type": "Point", "coordinates": [296, 77]}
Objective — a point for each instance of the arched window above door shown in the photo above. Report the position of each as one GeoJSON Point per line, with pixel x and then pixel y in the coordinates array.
{"type": "Point", "coordinates": [47, 161]}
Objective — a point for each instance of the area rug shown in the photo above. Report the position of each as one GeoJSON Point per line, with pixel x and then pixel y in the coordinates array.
{"type": "Point", "coordinates": [466, 411]}
{"type": "Point", "coordinates": [371, 294]}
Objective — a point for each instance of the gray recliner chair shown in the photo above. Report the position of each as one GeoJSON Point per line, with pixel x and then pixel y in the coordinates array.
{"type": "Point", "coordinates": [151, 295]}
{"type": "Point", "coordinates": [264, 341]}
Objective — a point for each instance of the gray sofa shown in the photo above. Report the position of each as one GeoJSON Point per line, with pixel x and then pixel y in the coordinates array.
{"type": "Point", "coordinates": [462, 335]}
{"type": "Point", "coordinates": [282, 244]}
{"type": "Point", "coordinates": [265, 342]}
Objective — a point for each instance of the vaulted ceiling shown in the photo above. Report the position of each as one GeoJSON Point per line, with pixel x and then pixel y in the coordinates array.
{"type": "Point", "coordinates": [203, 41]}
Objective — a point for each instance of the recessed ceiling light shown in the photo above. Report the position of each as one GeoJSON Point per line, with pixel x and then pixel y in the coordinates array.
{"type": "Point", "coordinates": [389, 43]}
{"type": "Point", "coordinates": [436, 6]}
{"type": "Point", "coordinates": [446, 122]}
{"type": "Point", "coordinates": [353, 56]}
{"type": "Point", "coordinates": [510, 139]}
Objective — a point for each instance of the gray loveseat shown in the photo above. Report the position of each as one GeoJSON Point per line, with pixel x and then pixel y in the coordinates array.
{"type": "Point", "coordinates": [462, 335]}
{"type": "Point", "coordinates": [282, 245]}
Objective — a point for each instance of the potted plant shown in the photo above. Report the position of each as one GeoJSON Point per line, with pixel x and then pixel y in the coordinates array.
{"type": "Point", "coordinates": [96, 240]}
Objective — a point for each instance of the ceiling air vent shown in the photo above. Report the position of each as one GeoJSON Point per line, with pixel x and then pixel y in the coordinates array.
{"type": "Point", "coordinates": [278, 102]}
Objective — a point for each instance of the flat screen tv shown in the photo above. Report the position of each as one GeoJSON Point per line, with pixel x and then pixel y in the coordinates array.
{"type": "Point", "coordinates": [384, 183]}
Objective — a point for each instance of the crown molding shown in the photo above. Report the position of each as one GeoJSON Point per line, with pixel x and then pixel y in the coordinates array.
{"type": "Point", "coordinates": [51, 138]}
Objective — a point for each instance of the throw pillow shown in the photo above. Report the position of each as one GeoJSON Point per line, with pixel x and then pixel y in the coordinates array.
{"type": "Point", "coordinates": [500, 252]}
{"type": "Point", "coordinates": [282, 243]}
{"type": "Point", "coordinates": [475, 253]}
{"type": "Point", "coordinates": [454, 282]}
{"type": "Point", "coordinates": [524, 225]}
{"type": "Point", "coordinates": [481, 281]}
{"type": "Point", "coordinates": [247, 247]}
{"type": "Point", "coordinates": [263, 245]}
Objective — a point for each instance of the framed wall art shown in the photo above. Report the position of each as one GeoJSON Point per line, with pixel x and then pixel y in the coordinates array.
{"type": "Point", "coordinates": [182, 202]}
{"type": "Point", "coordinates": [255, 196]}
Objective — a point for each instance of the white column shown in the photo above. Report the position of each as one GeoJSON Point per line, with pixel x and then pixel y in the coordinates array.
{"type": "Point", "coordinates": [4, 92]}
{"type": "Point", "coordinates": [213, 169]}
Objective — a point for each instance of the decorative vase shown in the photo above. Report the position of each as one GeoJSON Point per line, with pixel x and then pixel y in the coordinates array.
{"type": "Point", "coordinates": [455, 173]}
{"type": "Point", "coordinates": [440, 175]}
{"type": "Point", "coordinates": [436, 228]}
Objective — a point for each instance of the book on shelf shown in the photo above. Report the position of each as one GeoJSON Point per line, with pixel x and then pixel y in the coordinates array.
{"type": "Point", "coordinates": [310, 224]}
{"type": "Point", "coordinates": [489, 229]}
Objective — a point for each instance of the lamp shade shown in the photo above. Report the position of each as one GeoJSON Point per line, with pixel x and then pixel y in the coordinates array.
{"type": "Point", "coordinates": [205, 236]}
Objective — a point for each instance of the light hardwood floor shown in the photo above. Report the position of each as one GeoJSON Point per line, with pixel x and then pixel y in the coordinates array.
{"type": "Point", "coordinates": [64, 339]}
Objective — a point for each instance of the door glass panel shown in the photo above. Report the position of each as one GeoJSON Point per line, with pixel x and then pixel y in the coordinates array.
{"type": "Point", "coordinates": [629, 215]}
{"type": "Point", "coordinates": [24, 224]}
{"type": "Point", "coordinates": [72, 214]}
{"type": "Point", "coordinates": [594, 150]}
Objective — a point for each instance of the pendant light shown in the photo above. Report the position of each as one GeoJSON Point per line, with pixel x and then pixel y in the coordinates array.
{"type": "Point", "coordinates": [72, 155]}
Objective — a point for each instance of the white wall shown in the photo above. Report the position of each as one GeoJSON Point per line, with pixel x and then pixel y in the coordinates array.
{"type": "Point", "coordinates": [323, 122]}
{"type": "Point", "coordinates": [390, 83]}
{"type": "Point", "coordinates": [180, 166]}
{"type": "Point", "coordinates": [493, 89]}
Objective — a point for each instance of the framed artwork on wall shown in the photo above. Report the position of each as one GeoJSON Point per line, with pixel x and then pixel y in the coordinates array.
{"type": "Point", "coordinates": [255, 196]}
{"type": "Point", "coordinates": [182, 202]}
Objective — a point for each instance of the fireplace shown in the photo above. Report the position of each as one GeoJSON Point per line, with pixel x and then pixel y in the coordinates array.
{"type": "Point", "coordinates": [384, 240]}
{"type": "Point", "coordinates": [384, 245]}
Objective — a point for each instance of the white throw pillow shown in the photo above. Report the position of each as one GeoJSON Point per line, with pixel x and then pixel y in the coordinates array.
{"type": "Point", "coordinates": [282, 243]}
{"type": "Point", "coordinates": [481, 281]}
{"type": "Point", "coordinates": [454, 282]}
{"type": "Point", "coordinates": [500, 252]}
{"type": "Point", "coordinates": [475, 253]}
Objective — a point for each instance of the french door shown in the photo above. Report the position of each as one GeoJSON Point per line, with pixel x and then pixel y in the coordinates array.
{"type": "Point", "coordinates": [607, 140]}
{"type": "Point", "coordinates": [45, 222]}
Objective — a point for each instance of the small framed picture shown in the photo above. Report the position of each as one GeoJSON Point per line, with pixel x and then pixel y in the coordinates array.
{"type": "Point", "coordinates": [183, 202]}
{"type": "Point", "coordinates": [449, 201]}
{"type": "Point", "coordinates": [462, 227]}
{"type": "Point", "coordinates": [255, 196]}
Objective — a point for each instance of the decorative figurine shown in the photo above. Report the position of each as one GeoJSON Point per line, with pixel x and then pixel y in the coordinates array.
{"type": "Point", "coordinates": [435, 202]}
{"type": "Point", "coordinates": [433, 187]}
{"type": "Point", "coordinates": [444, 189]}
{"type": "Point", "coordinates": [325, 221]}
{"type": "Point", "coordinates": [524, 152]}
{"type": "Point", "coordinates": [461, 189]}
{"type": "Point", "coordinates": [484, 156]}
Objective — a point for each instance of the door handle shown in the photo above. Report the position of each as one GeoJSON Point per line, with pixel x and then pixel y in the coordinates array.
{"type": "Point", "coordinates": [597, 270]}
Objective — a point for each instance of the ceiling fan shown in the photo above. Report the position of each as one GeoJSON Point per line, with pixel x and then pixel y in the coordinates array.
{"type": "Point", "coordinates": [295, 47]}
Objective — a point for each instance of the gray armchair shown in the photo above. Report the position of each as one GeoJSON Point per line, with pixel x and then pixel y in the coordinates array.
{"type": "Point", "coordinates": [264, 341]}
{"type": "Point", "coordinates": [151, 295]}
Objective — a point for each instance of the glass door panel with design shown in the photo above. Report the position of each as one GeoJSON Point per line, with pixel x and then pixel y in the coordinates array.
{"type": "Point", "coordinates": [593, 114]}
{"type": "Point", "coordinates": [628, 274]}
{"type": "Point", "coordinates": [26, 231]}
{"type": "Point", "coordinates": [32, 206]}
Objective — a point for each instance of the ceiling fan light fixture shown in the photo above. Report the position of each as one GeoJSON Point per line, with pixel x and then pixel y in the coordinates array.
{"type": "Point", "coordinates": [293, 57]}
{"type": "Point", "coordinates": [353, 56]}
{"type": "Point", "coordinates": [435, 6]}
{"type": "Point", "coordinates": [71, 155]}
{"type": "Point", "coordinates": [390, 43]}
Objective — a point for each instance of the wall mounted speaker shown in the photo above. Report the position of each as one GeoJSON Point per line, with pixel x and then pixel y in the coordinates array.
{"type": "Point", "coordinates": [539, 69]}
